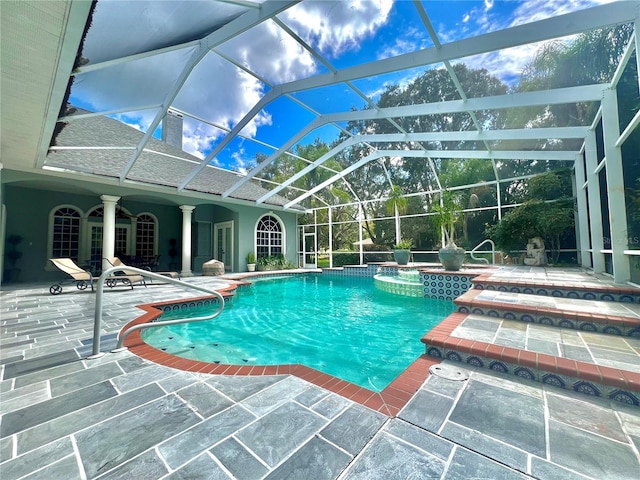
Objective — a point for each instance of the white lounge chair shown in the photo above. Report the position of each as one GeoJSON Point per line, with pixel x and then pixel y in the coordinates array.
{"type": "Point", "coordinates": [127, 277]}
{"type": "Point", "coordinates": [82, 278]}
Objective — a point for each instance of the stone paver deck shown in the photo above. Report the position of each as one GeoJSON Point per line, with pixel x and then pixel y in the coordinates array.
{"type": "Point", "coordinates": [122, 416]}
{"type": "Point", "coordinates": [612, 351]}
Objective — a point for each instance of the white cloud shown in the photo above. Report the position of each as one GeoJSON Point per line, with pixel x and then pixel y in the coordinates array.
{"type": "Point", "coordinates": [508, 64]}
{"type": "Point", "coordinates": [243, 163]}
{"type": "Point", "coordinates": [335, 27]}
{"type": "Point", "coordinates": [409, 41]}
{"type": "Point", "coordinates": [223, 94]}
{"type": "Point", "coordinates": [198, 137]}
{"type": "Point", "coordinates": [216, 90]}
{"type": "Point", "coordinates": [534, 10]}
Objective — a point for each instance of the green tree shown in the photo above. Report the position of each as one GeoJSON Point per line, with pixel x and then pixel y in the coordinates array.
{"type": "Point", "coordinates": [538, 216]}
{"type": "Point", "coordinates": [411, 174]}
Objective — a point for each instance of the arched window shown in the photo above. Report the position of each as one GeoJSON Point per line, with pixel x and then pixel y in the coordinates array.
{"type": "Point", "coordinates": [65, 233]}
{"type": "Point", "coordinates": [145, 236]}
{"type": "Point", "coordinates": [269, 236]}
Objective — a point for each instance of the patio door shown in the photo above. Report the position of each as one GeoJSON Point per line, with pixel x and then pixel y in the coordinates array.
{"type": "Point", "coordinates": [309, 249]}
{"type": "Point", "coordinates": [223, 244]}
{"type": "Point", "coordinates": [123, 235]}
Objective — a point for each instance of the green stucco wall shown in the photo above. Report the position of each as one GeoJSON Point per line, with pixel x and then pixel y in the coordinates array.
{"type": "Point", "coordinates": [28, 213]}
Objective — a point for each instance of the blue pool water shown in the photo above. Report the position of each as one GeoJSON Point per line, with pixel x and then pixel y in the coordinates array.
{"type": "Point", "coordinates": [344, 327]}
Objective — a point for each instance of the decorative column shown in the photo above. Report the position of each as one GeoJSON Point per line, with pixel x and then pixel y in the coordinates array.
{"type": "Point", "coordinates": [186, 240]}
{"type": "Point", "coordinates": [108, 228]}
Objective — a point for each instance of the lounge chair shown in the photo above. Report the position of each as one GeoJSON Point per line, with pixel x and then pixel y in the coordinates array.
{"type": "Point", "coordinates": [115, 261]}
{"type": "Point", "coordinates": [126, 277]}
{"type": "Point", "coordinates": [82, 278]}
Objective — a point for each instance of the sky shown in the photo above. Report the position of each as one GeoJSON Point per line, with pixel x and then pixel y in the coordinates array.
{"type": "Point", "coordinates": [344, 33]}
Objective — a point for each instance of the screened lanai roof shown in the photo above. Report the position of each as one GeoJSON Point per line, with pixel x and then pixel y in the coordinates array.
{"type": "Point", "coordinates": [253, 81]}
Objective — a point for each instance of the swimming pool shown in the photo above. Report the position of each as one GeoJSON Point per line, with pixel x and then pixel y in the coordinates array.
{"type": "Point", "coordinates": [344, 327]}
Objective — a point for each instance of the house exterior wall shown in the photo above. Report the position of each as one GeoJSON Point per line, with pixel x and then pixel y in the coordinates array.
{"type": "Point", "coordinates": [247, 221]}
{"type": "Point", "coordinates": [244, 219]}
{"type": "Point", "coordinates": [28, 212]}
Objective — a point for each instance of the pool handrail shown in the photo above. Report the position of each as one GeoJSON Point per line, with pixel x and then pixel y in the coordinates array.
{"type": "Point", "coordinates": [492, 251]}
{"type": "Point", "coordinates": [97, 323]}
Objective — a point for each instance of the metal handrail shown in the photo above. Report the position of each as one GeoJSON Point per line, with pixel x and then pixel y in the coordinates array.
{"type": "Point", "coordinates": [97, 323]}
{"type": "Point", "coordinates": [493, 252]}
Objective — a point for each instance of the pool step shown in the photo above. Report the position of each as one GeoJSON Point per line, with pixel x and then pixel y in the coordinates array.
{"type": "Point", "coordinates": [580, 289]}
{"type": "Point", "coordinates": [546, 354]}
{"type": "Point", "coordinates": [614, 318]}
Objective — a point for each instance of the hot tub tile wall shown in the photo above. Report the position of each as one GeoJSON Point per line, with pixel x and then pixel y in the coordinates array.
{"type": "Point", "coordinates": [406, 289]}
{"type": "Point", "coordinates": [368, 270]}
{"type": "Point", "coordinates": [445, 286]}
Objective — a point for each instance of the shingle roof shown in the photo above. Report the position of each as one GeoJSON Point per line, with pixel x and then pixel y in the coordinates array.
{"type": "Point", "coordinates": [159, 164]}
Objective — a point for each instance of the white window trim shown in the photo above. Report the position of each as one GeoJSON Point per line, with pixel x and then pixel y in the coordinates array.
{"type": "Point", "coordinates": [157, 232]}
{"type": "Point", "coordinates": [48, 265]}
{"type": "Point", "coordinates": [282, 228]}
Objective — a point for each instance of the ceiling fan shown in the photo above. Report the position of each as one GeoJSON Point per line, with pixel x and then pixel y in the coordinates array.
{"type": "Point", "coordinates": [122, 213]}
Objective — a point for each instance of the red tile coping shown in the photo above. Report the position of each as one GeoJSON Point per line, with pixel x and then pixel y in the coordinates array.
{"type": "Point", "coordinates": [469, 299]}
{"type": "Point", "coordinates": [440, 336]}
{"type": "Point", "coordinates": [389, 401]}
{"type": "Point", "coordinates": [485, 278]}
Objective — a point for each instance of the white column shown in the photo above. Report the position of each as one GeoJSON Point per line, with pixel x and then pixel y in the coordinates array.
{"type": "Point", "coordinates": [398, 231]}
{"type": "Point", "coordinates": [615, 187]}
{"type": "Point", "coordinates": [499, 197]}
{"type": "Point", "coordinates": [360, 215]}
{"type": "Point", "coordinates": [186, 239]}
{"type": "Point", "coordinates": [593, 197]}
{"type": "Point", "coordinates": [108, 228]}
{"type": "Point", "coordinates": [582, 222]}
{"type": "Point", "coordinates": [330, 237]}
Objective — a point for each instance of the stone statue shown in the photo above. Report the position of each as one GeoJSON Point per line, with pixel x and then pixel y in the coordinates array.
{"type": "Point", "coordinates": [536, 253]}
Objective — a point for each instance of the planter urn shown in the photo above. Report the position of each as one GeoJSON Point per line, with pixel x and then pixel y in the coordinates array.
{"type": "Point", "coordinates": [451, 257]}
{"type": "Point", "coordinates": [401, 256]}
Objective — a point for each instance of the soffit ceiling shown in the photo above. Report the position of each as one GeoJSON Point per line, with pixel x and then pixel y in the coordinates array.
{"type": "Point", "coordinates": [163, 51]}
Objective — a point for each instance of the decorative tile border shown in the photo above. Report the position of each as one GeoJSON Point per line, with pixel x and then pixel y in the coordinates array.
{"type": "Point", "coordinates": [600, 381]}
{"type": "Point", "coordinates": [397, 288]}
{"type": "Point", "coordinates": [445, 285]}
{"type": "Point", "coordinates": [434, 282]}
{"type": "Point", "coordinates": [269, 274]}
{"type": "Point", "coordinates": [389, 401]}
{"type": "Point", "coordinates": [368, 270]}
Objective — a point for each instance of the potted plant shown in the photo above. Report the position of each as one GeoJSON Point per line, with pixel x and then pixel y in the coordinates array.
{"type": "Point", "coordinates": [251, 262]}
{"type": "Point", "coordinates": [13, 255]}
{"type": "Point", "coordinates": [273, 262]}
{"type": "Point", "coordinates": [448, 214]}
{"type": "Point", "coordinates": [402, 251]}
